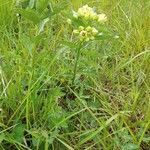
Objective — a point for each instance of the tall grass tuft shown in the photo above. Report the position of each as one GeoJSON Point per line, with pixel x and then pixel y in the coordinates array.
{"type": "Point", "coordinates": [6, 13]}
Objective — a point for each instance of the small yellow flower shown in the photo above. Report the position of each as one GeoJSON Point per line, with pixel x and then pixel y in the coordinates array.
{"type": "Point", "coordinates": [102, 18]}
{"type": "Point", "coordinates": [86, 34]}
{"type": "Point", "coordinates": [83, 35]}
{"type": "Point", "coordinates": [89, 28]}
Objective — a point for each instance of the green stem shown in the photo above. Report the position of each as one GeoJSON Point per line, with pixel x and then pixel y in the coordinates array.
{"type": "Point", "coordinates": [76, 63]}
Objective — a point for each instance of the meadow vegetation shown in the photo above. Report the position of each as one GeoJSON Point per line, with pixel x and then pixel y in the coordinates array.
{"type": "Point", "coordinates": [52, 100]}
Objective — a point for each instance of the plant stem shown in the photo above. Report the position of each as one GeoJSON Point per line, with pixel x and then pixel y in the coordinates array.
{"type": "Point", "coordinates": [76, 63]}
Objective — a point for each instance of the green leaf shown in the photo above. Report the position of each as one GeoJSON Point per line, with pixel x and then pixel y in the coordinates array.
{"type": "Point", "coordinates": [93, 134]}
{"type": "Point", "coordinates": [31, 15]}
{"type": "Point", "coordinates": [31, 3]}
{"type": "Point", "coordinates": [104, 36]}
{"type": "Point", "coordinates": [24, 4]}
{"type": "Point", "coordinates": [40, 37]}
{"type": "Point", "coordinates": [130, 146]}
{"type": "Point", "coordinates": [58, 8]}
{"type": "Point", "coordinates": [52, 136]}
{"type": "Point", "coordinates": [41, 5]}
{"type": "Point", "coordinates": [2, 137]}
{"type": "Point", "coordinates": [18, 133]}
{"type": "Point", "coordinates": [146, 139]}
{"type": "Point", "coordinates": [69, 44]}
{"type": "Point", "coordinates": [28, 43]}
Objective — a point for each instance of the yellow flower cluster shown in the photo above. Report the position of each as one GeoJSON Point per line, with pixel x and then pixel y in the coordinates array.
{"type": "Point", "coordinates": [88, 13]}
{"type": "Point", "coordinates": [86, 34]}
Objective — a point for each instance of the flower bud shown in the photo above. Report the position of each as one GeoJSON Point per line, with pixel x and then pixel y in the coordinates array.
{"type": "Point", "coordinates": [75, 15]}
{"type": "Point", "coordinates": [81, 28]}
{"type": "Point", "coordinates": [94, 31]}
{"type": "Point", "coordinates": [75, 31]}
{"type": "Point", "coordinates": [69, 21]}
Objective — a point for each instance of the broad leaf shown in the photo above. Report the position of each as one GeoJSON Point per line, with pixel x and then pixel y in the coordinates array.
{"type": "Point", "coordinates": [41, 5]}
{"type": "Point", "coordinates": [31, 15]}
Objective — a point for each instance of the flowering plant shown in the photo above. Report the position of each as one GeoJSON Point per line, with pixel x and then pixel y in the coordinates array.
{"type": "Point", "coordinates": [86, 24]}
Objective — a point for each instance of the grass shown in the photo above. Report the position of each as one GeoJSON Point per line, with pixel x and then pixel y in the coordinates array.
{"type": "Point", "coordinates": [108, 104]}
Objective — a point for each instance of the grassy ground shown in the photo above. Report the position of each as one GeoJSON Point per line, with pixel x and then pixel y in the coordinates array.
{"type": "Point", "coordinates": [107, 107]}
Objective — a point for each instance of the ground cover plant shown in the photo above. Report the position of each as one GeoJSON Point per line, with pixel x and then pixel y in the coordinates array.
{"type": "Point", "coordinates": [74, 75]}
